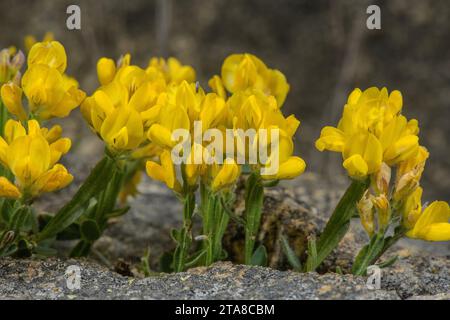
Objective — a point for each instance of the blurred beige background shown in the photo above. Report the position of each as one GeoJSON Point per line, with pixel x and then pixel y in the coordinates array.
{"type": "Point", "coordinates": [323, 47]}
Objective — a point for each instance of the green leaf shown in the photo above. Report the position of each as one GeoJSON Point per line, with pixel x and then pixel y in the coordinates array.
{"type": "Point", "coordinates": [312, 255]}
{"type": "Point", "coordinates": [233, 217]}
{"type": "Point", "coordinates": [272, 183]}
{"type": "Point", "coordinates": [293, 260]}
{"type": "Point", "coordinates": [21, 219]}
{"type": "Point", "coordinates": [8, 250]}
{"type": "Point", "coordinates": [89, 230]}
{"type": "Point", "coordinates": [339, 222]}
{"type": "Point", "coordinates": [45, 251]}
{"type": "Point", "coordinates": [196, 259]}
{"type": "Point", "coordinates": [259, 257]}
{"type": "Point", "coordinates": [175, 234]}
{"type": "Point", "coordinates": [254, 197]}
{"type": "Point", "coordinates": [108, 199]}
{"type": "Point", "coordinates": [181, 251]}
{"type": "Point", "coordinates": [388, 262]}
{"type": "Point", "coordinates": [72, 232]}
{"type": "Point", "coordinates": [4, 116]}
{"type": "Point", "coordinates": [118, 212]}
{"type": "Point", "coordinates": [93, 185]}
{"type": "Point", "coordinates": [6, 209]}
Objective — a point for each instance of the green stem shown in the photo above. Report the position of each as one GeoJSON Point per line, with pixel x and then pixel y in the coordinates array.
{"type": "Point", "coordinates": [184, 236]}
{"type": "Point", "coordinates": [368, 254]}
{"type": "Point", "coordinates": [215, 222]}
{"type": "Point", "coordinates": [4, 116]}
{"type": "Point", "coordinates": [108, 198]}
{"type": "Point", "coordinates": [220, 228]}
{"type": "Point", "coordinates": [254, 197]}
{"type": "Point", "coordinates": [338, 224]}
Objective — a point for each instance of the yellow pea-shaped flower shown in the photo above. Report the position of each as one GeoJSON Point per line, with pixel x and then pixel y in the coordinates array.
{"type": "Point", "coordinates": [227, 175]}
{"type": "Point", "coordinates": [106, 70]}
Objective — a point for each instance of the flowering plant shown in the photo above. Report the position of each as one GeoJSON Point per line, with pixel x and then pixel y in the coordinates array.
{"type": "Point", "coordinates": [374, 138]}
{"type": "Point", "coordinates": [199, 143]}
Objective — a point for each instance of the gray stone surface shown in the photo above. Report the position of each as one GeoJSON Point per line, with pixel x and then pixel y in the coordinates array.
{"type": "Point", "coordinates": [419, 274]}
{"type": "Point", "coordinates": [28, 279]}
{"type": "Point", "coordinates": [46, 279]}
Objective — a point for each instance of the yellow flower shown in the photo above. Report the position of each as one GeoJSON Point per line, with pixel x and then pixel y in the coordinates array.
{"type": "Point", "coordinates": [415, 163]}
{"type": "Point", "coordinates": [289, 169]}
{"type": "Point", "coordinates": [164, 172]}
{"type": "Point", "coordinates": [371, 131]}
{"type": "Point", "coordinates": [381, 202]}
{"type": "Point", "coordinates": [120, 127]}
{"type": "Point", "coordinates": [412, 208]}
{"type": "Point", "coordinates": [196, 164]}
{"type": "Point", "coordinates": [122, 110]}
{"type": "Point", "coordinates": [12, 98]}
{"type": "Point", "coordinates": [433, 223]}
{"type": "Point", "coordinates": [226, 176]}
{"type": "Point", "coordinates": [172, 69]}
{"type": "Point", "coordinates": [32, 159]}
{"type": "Point", "coordinates": [254, 110]}
{"type": "Point", "coordinates": [216, 84]}
{"type": "Point", "coordinates": [8, 190]}
{"type": "Point", "coordinates": [49, 91]}
{"type": "Point", "coordinates": [106, 70]}
{"type": "Point", "coordinates": [177, 109]}
{"type": "Point", "coordinates": [50, 94]}
{"type": "Point", "coordinates": [212, 112]}
{"type": "Point", "coordinates": [245, 71]}
{"type": "Point", "coordinates": [363, 156]}
{"type": "Point", "coordinates": [170, 119]}
{"type": "Point", "coordinates": [30, 40]}
{"type": "Point", "coordinates": [50, 53]}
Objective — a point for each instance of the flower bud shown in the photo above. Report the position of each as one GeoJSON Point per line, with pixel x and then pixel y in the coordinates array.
{"type": "Point", "coordinates": [17, 61]}
{"type": "Point", "coordinates": [12, 98]}
{"type": "Point", "coordinates": [366, 214]}
{"type": "Point", "coordinates": [384, 211]}
{"type": "Point", "coordinates": [382, 178]}
{"type": "Point", "coordinates": [407, 184]}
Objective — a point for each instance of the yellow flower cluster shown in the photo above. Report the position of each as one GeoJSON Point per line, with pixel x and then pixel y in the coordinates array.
{"type": "Point", "coordinates": [257, 93]}
{"type": "Point", "coordinates": [241, 72]}
{"type": "Point", "coordinates": [371, 131]}
{"type": "Point", "coordinates": [374, 137]}
{"type": "Point", "coordinates": [50, 92]}
{"type": "Point", "coordinates": [31, 154]}
{"type": "Point", "coordinates": [126, 105]}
